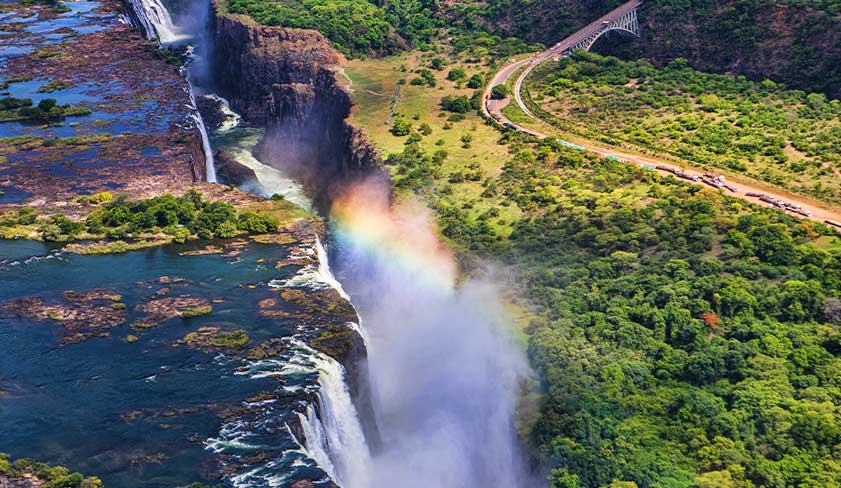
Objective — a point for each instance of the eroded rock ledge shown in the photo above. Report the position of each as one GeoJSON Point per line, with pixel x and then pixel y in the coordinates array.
{"type": "Point", "coordinates": [286, 80]}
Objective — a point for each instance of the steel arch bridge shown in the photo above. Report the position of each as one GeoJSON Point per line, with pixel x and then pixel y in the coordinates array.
{"type": "Point", "coordinates": [621, 19]}
{"type": "Point", "coordinates": [627, 23]}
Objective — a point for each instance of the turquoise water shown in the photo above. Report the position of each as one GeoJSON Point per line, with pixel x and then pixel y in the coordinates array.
{"type": "Point", "coordinates": [147, 413]}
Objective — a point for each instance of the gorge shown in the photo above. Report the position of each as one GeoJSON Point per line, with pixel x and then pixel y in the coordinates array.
{"type": "Point", "coordinates": [433, 401]}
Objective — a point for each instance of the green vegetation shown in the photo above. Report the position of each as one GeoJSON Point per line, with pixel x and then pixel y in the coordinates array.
{"type": "Point", "coordinates": [49, 477]}
{"type": "Point", "coordinates": [181, 217]}
{"type": "Point", "coordinates": [47, 110]}
{"type": "Point", "coordinates": [683, 337]}
{"type": "Point", "coordinates": [178, 218]}
{"type": "Point", "coordinates": [355, 26]}
{"type": "Point", "coordinates": [786, 137]}
{"type": "Point", "coordinates": [499, 92]}
{"type": "Point", "coordinates": [188, 313]}
{"type": "Point", "coordinates": [230, 340]}
{"type": "Point", "coordinates": [53, 85]}
{"type": "Point", "coordinates": [215, 337]}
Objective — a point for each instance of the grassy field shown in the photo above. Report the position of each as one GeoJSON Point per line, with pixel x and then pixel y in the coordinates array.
{"type": "Point", "coordinates": [373, 83]}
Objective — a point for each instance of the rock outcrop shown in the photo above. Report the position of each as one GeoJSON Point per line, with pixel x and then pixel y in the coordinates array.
{"type": "Point", "coordinates": [285, 80]}
{"type": "Point", "coordinates": [229, 170]}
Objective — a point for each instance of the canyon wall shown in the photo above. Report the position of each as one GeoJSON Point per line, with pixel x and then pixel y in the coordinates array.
{"type": "Point", "coordinates": [285, 80]}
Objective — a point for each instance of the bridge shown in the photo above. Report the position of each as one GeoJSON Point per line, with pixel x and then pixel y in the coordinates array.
{"type": "Point", "coordinates": [622, 19]}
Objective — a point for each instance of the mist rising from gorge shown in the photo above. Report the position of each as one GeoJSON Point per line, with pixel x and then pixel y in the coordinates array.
{"type": "Point", "coordinates": [445, 374]}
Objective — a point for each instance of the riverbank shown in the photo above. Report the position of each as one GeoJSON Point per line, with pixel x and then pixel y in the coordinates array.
{"type": "Point", "coordinates": [165, 292]}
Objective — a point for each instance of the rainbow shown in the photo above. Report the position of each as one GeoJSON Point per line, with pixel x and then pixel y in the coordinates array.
{"type": "Point", "coordinates": [402, 234]}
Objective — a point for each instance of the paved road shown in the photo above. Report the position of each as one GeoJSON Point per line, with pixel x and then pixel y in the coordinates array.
{"type": "Point", "coordinates": [493, 108]}
{"type": "Point", "coordinates": [566, 44]}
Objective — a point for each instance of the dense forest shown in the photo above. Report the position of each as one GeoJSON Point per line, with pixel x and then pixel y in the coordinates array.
{"type": "Point", "coordinates": [685, 338]}
{"type": "Point", "coordinates": [789, 138]}
{"type": "Point", "coordinates": [790, 41]}
{"type": "Point", "coordinates": [356, 27]}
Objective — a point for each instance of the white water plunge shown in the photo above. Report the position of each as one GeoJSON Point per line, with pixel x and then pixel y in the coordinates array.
{"type": "Point", "coordinates": [334, 439]}
{"type": "Point", "coordinates": [210, 166]}
{"type": "Point", "coordinates": [157, 24]}
{"type": "Point", "coordinates": [156, 21]}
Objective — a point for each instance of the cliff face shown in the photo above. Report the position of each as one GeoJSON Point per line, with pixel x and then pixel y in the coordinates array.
{"type": "Point", "coordinates": [798, 45]}
{"type": "Point", "coordinates": [285, 80]}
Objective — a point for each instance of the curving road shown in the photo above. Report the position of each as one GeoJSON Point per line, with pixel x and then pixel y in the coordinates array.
{"type": "Point", "coordinates": [788, 203]}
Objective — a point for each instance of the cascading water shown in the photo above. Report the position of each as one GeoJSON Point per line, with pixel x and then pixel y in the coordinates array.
{"type": "Point", "coordinates": [210, 166]}
{"type": "Point", "coordinates": [157, 23]}
{"type": "Point", "coordinates": [445, 378]}
{"type": "Point", "coordinates": [335, 438]}
{"type": "Point", "coordinates": [445, 374]}
{"type": "Point", "coordinates": [155, 20]}
{"type": "Point", "coordinates": [232, 119]}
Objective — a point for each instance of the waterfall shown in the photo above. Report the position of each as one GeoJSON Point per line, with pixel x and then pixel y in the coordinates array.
{"type": "Point", "coordinates": [156, 23]}
{"type": "Point", "coordinates": [155, 20]}
{"type": "Point", "coordinates": [205, 139]}
{"type": "Point", "coordinates": [324, 273]}
{"type": "Point", "coordinates": [232, 119]}
{"type": "Point", "coordinates": [334, 439]}
{"type": "Point", "coordinates": [316, 441]}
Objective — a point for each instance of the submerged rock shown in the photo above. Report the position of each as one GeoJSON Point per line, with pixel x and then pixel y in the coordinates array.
{"type": "Point", "coordinates": [163, 309]}
{"type": "Point", "coordinates": [229, 170]}
{"type": "Point", "coordinates": [82, 314]}
{"type": "Point", "coordinates": [214, 339]}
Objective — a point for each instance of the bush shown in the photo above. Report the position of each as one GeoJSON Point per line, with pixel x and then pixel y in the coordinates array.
{"type": "Point", "coordinates": [459, 104]}
{"type": "Point", "coordinates": [456, 74]}
{"type": "Point", "coordinates": [227, 230]}
{"type": "Point", "coordinates": [475, 81]}
{"type": "Point", "coordinates": [401, 127]}
{"type": "Point", "coordinates": [254, 223]}
{"type": "Point", "coordinates": [499, 92]}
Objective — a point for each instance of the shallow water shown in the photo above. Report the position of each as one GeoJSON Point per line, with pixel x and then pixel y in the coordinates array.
{"type": "Point", "coordinates": [116, 409]}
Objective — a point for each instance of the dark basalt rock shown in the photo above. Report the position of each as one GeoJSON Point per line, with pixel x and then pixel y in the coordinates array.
{"type": "Point", "coordinates": [83, 315]}
{"type": "Point", "coordinates": [285, 79]}
{"type": "Point", "coordinates": [228, 170]}
{"type": "Point", "coordinates": [211, 112]}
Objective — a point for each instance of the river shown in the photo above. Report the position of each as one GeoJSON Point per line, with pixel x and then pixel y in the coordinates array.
{"type": "Point", "coordinates": [143, 409]}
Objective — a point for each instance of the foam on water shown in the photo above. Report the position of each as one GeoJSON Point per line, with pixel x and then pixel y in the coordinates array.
{"type": "Point", "coordinates": [314, 276]}
{"type": "Point", "coordinates": [232, 119]}
{"type": "Point", "coordinates": [156, 21]}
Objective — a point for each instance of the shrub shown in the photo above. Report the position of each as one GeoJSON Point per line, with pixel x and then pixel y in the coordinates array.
{"type": "Point", "coordinates": [475, 81]}
{"type": "Point", "coordinates": [459, 104]}
{"type": "Point", "coordinates": [499, 92]}
{"type": "Point", "coordinates": [254, 223]}
{"type": "Point", "coordinates": [456, 74]}
{"type": "Point", "coordinates": [401, 127]}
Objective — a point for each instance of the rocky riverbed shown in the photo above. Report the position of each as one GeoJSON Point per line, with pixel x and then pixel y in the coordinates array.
{"type": "Point", "coordinates": [200, 361]}
{"type": "Point", "coordinates": [139, 137]}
